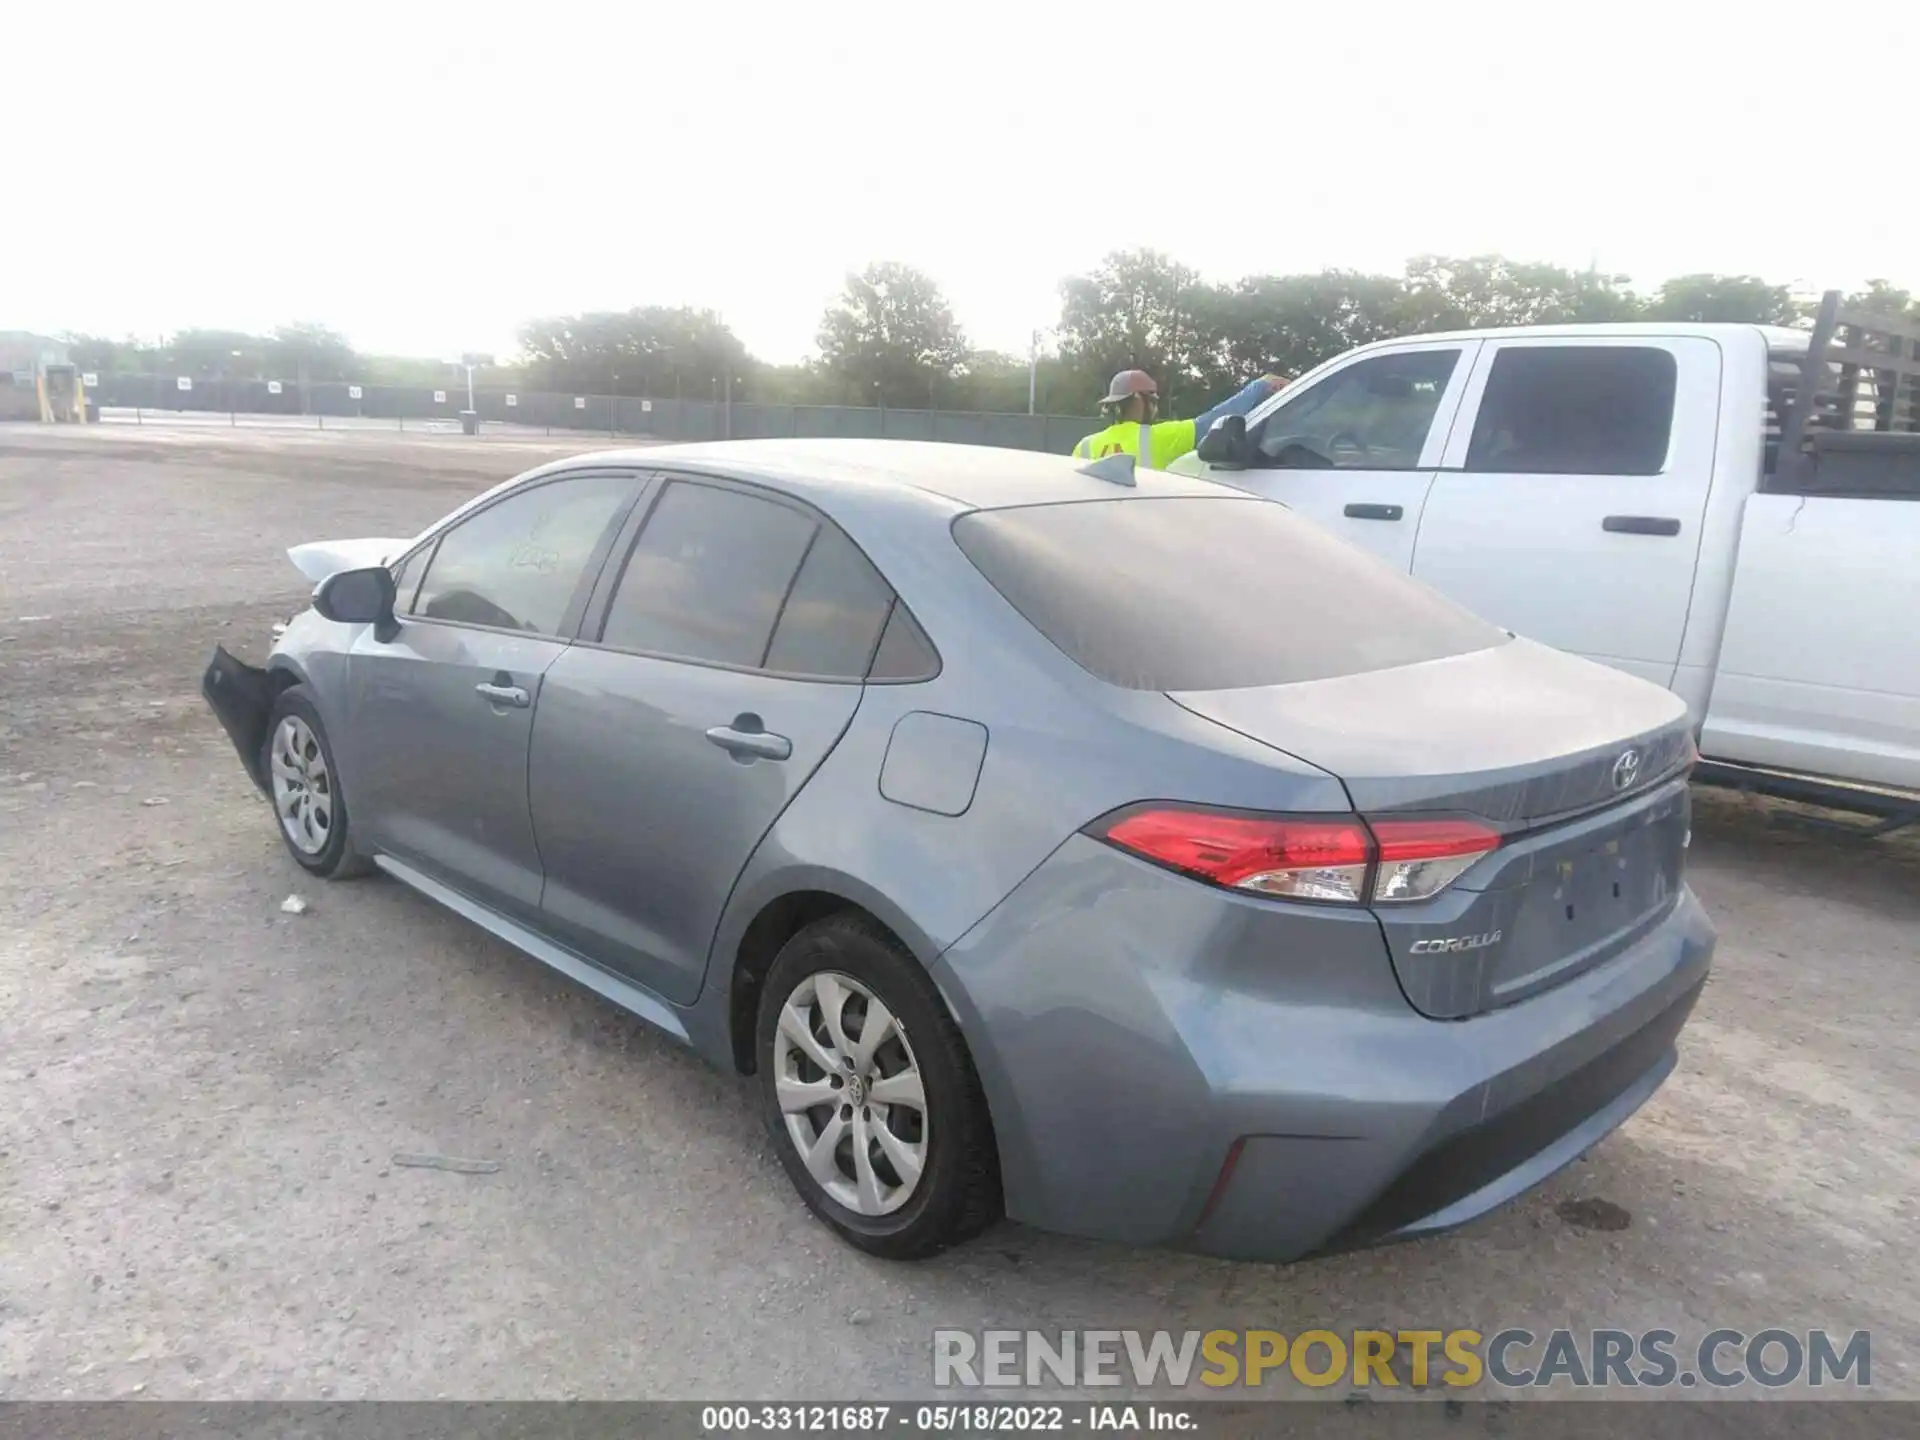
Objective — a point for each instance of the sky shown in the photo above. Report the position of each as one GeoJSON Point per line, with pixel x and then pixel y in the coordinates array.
{"type": "Point", "coordinates": [423, 177]}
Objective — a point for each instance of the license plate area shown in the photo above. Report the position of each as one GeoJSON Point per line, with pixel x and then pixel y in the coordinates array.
{"type": "Point", "coordinates": [1592, 894]}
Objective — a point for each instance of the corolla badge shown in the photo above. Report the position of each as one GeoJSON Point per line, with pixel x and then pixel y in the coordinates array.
{"type": "Point", "coordinates": [1626, 769]}
{"type": "Point", "coordinates": [1454, 944]}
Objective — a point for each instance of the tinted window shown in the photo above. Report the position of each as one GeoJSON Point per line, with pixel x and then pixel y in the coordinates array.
{"type": "Point", "coordinates": [1373, 415]}
{"type": "Point", "coordinates": [708, 576]}
{"type": "Point", "coordinates": [905, 653]}
{"type": "Point", "coordinates": [1575, 410]}
{"type": "Point", "coordinates": [515, 565]}
{"type": "Point", "coordinates": [833, 613]}
{"type": "Point", "coordinates": [1206, 594]}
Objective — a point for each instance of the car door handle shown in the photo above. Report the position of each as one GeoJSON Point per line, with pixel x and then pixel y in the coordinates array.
{"type": "Point", "coordinates": [1641, 525]}
{"type": "Point", "coordinates": [1373, 512]}
{"type": "Point", "coordinates": [504, 695]}
{"type": "Point", "coordinates": [747, 739]}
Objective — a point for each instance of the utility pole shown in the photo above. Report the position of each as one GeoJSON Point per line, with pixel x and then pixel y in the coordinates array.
{"type": "Point", "coordinates": [1033, 370]}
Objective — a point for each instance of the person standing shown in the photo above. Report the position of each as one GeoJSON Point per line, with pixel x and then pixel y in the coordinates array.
{"type": "Point", "coordinates": [1130, 408]}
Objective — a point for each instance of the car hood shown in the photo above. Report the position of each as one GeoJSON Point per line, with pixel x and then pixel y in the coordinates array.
{"type": "Point", "coordinates": [317, 559]}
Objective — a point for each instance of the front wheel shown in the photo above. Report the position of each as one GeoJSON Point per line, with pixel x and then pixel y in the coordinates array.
{"type": "Point", "coordinates": [870, 1096]}
{"type": "Point", "coordinates": [304, 784]}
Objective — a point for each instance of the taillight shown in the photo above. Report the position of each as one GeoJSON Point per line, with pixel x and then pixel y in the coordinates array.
{"type": "Point", "coordinates": [1419, 858]}
{"type": "Point", "coordinates": [1299, 859]}
{"type": "Point", "coordinates": [1343, 859]}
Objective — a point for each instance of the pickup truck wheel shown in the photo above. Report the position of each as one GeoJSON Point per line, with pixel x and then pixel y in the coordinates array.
{"type": "Point", "coordinates": [304, 785]}
{"type": "Point", "coordinates": [870, 1096]}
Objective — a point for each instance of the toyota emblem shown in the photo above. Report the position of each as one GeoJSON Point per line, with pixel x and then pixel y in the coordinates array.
{"type": "Point", "coordinates": [1626, 769]}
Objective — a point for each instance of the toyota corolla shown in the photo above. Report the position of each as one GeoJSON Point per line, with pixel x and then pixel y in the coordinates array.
{"type": "Point", "coordinates": [1092, 846]}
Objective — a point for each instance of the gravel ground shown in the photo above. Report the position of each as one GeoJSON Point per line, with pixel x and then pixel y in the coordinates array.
{"type": "Point", "coordinates": [204, 1094]}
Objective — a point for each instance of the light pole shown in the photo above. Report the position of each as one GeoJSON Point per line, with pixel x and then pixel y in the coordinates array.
{"type": "Point", "coordinates": [1033, 371]}
{"type": "Point", "coordinates": [470, 417]}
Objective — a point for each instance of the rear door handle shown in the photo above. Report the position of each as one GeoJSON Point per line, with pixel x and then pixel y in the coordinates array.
{"type": "Point", "coordinates": [505, 695]}
{"type": "Point", "coordinates": [1641, 525]}
{"type": "Point", "coordinates": [1373, 512]}
{"type": "Point", "coordinates": [747, 739]}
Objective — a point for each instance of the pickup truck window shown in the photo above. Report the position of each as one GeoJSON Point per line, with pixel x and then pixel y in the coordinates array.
{"type": "Point", "coordinates": [1575, 410]}
{"type": "Point", "coordinates": [1373, 415]}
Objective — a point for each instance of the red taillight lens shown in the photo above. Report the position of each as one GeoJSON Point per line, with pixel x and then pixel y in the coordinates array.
{"type": "Point", "coordinates": [1304, 859]}
{"type": "Point", "coordinates": [1419, 858]}
{"type": "Point", "coordinates": [1298, 859]}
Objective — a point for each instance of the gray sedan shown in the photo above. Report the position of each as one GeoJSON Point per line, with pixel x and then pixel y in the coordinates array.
{"type": "Point", "coordinates": [1105, 849]}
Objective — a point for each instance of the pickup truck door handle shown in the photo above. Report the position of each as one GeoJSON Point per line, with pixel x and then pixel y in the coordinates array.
{"type": "Point", "coordinates": [502, 691]}
{"type": "Point", "coordinates": [1641, 525]}
{"type": "Point", "coordinates": [1360, 511]}
{"type": "Point", "coordinates": [746, 739]}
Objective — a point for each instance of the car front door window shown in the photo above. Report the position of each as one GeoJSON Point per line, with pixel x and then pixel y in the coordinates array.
{"type": "Point", "coordinates": [1373, 415]}
{"type": "Point", "coordinates": [518, 564]}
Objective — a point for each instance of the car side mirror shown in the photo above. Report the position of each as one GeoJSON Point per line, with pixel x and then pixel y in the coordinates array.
{"type": "Point", "coordinates": [358, 597]}
{"type": "Point", "coordinates": [1225, 443]}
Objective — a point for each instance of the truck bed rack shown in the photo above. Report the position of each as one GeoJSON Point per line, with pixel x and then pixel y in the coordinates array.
{"type": "Point", "coordinates": [1851, 426]}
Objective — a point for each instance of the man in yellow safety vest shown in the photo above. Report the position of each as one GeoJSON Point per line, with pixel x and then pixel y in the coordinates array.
{"type": "Point", "coordinates": [1131, 403]}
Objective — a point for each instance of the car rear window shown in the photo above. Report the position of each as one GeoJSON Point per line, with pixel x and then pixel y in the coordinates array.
{"type": "Point", "coordinates": [1203, 593]}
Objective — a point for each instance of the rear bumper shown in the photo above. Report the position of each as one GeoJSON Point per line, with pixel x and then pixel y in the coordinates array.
{"type": "Point", "coordinates": [241, 696]}
{"type": "Point", "coordinates": [1133, 1030]}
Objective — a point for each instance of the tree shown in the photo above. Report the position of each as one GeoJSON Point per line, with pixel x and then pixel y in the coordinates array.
{"type": "Point", "coordinates": [648, 350]}
{"type": "Point", "coordinates": [1140, 310]}
{"type": "Point", "coordinates": [990, 380]}
{"type": "Point", "coordinates": [1442, 293]}
{"type": "Point", "coordinates": [98, 354]}
{"type": "Point", "coordinates": [211, 354]}
{"type": "Point", "coordinates": [311, 352]}
{"type": "Point", "coordinates": [1882, 297]}
{"type": "Point", "coordinates": [890, 336]}
{"type": "Point", "coordinates": [1739, 299]}
{"type": "Point", "coordinates": [1290, 323]}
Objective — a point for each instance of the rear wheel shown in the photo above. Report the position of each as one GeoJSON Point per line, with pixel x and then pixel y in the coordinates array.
{"type": "Point", "coordinates": [304, 786]}
{"type": "Point", "coordinates": [870, 1096]}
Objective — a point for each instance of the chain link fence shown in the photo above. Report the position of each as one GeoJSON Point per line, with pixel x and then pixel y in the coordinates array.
{"type": "Point", "coordinates": [661, 419]}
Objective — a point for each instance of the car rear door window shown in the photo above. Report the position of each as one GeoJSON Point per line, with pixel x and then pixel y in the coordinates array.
{"type": "Point", "coordinates": [1199, 593]}
{"type": "Point", "coordinates": [517, 564]}
{"type": "Point", "coordinates": [1575, 410]}
{"type": "Point", "coordinates": [708, 576]}
{"type": "Point", "coordinates": [905, 652]}
{"type": "Point", "coordinates": [834, 612]}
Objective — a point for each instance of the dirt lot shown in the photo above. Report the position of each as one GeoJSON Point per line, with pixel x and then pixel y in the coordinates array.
{"type": "Point", "coordinates": [203, 1094]}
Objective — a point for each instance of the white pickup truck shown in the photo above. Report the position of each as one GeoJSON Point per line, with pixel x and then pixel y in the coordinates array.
{"type": "Point", "coordinates": [1659, 498]}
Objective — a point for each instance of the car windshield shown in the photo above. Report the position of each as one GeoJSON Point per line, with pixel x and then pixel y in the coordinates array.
{"type": "Point", "coordinates": [1204, 593]}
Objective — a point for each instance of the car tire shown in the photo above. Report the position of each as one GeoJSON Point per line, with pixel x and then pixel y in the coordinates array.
{"type": "Point", "coordinates": [956, 1193]}
{"type": "Point", "coordinates": [303, 787]}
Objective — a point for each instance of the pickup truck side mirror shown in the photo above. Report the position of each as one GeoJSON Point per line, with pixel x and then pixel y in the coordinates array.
{"type": "Point", "coordinates": [359, 597]}
{"type": "Point", "coordinates": [1224, 446]}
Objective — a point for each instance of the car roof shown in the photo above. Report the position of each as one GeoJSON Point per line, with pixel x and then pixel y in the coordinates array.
{"type": "Point", "coordinates": [1774, 335]}
{"type": "Point", "coordinates": [949, 477]}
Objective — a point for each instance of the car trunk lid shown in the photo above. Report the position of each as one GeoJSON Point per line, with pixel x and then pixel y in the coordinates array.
{"type": "Point", "coordinates": [1580, 768]}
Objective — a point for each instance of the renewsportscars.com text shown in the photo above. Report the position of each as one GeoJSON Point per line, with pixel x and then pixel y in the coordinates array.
{"type": "Point", "coordinates": [1512, 1358]}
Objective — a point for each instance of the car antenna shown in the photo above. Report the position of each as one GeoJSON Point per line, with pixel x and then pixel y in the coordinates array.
{"type": "Point", "coordinates": [1115, 469]}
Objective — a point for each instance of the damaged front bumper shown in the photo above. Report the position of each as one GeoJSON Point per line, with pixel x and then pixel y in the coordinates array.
{"type": "Point", "coordinates": [241, 695]}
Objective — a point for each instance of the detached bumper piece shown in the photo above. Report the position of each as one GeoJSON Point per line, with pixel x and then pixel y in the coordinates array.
{"type": "Point", "coordinates": [241, 696]}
